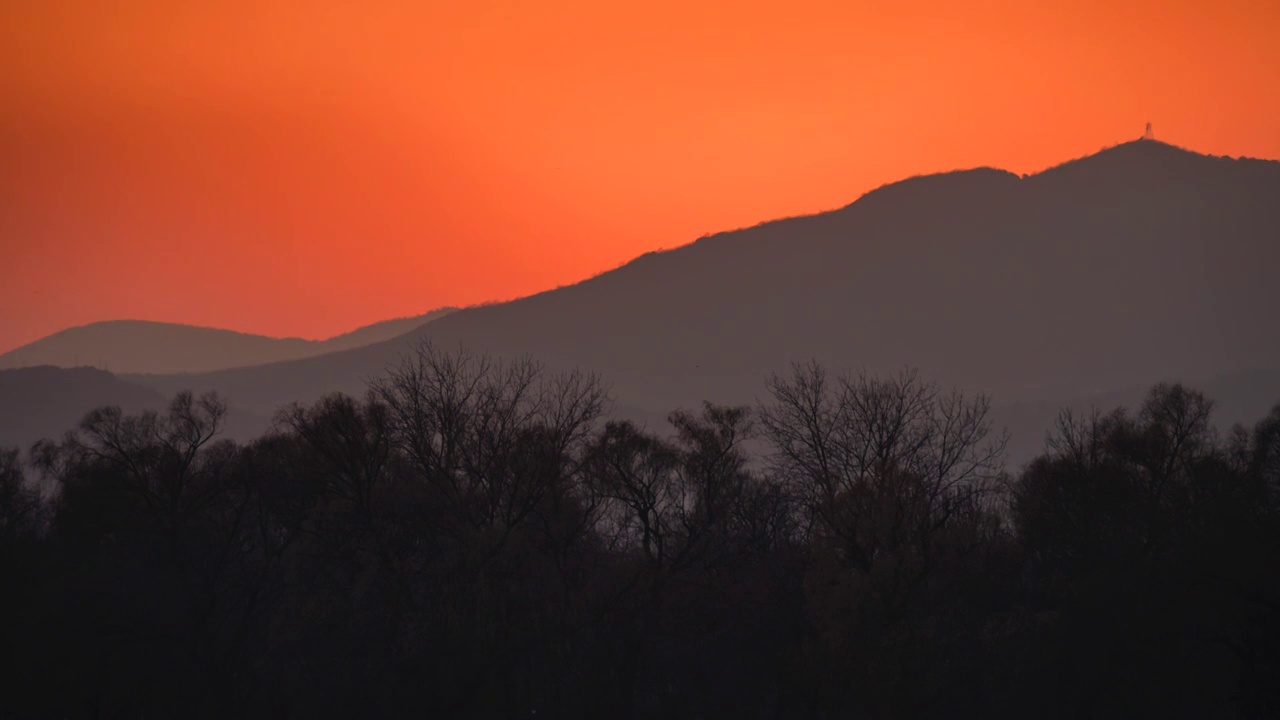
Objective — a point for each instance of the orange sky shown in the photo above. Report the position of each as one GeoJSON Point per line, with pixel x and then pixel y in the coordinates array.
{"type": "Point", "coordinates": [301, 168]}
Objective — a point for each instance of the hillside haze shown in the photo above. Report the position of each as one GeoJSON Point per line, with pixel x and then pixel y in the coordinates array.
{"type": "Point", "coordinates": [1094, 279]}
{"type": "Point", "coordinates": [45, 402]}
{"type": "Point", "coordinates": [1141, 263]}
{"type": "Point", "coordinates": [139, 346]}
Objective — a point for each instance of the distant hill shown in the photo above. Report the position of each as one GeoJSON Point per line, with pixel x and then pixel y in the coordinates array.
{"type": "Point", "coordinates": [45, 402]}
{"type": "Point", "coordinates": [138, 346]}
{"type": "Point", "coordinates": [1141, 263]}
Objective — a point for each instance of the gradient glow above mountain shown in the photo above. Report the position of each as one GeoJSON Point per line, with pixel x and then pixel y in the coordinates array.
{"type": "Point", "coordinates": [156, 153]}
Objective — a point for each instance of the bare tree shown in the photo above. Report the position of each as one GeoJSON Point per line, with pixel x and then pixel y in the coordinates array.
{"type": "Point", "coordinates": [634, 474]}
{"type": "Point", "coordinates": [879, 461]}
{"type": "Point", "coordinates": [160, 455]}
{"type": "Point", "coordinates": [678, 500]}
{"type": "Point", "coordinates": [354, 439]}
{"type": "Point", "coordinates": [712, 473]}
{"type": "Point", "coordinates": [1264, 458]}
{"type": "Point", "coordinates": [488, 437]}
{"type": "Point", "coordinates": [1081, 438]}
{"type": "Point", "coordinates": [1177, 433]}
{"type": "Point", "coordinates": [21, 509]}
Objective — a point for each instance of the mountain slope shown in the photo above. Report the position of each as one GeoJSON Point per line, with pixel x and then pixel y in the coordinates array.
{"type": "Point", "coordinates": [1140, 263]}
{"type": "Point", "coordinates": [137, 346]}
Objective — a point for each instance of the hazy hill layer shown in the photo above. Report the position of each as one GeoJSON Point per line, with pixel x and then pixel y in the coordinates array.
{"type": "Point", "coordinates": [138, 346]}
{"type": "Point", "coordinates": [45, 402]}
{"type": "Point", "coordinates": [1138, 264]}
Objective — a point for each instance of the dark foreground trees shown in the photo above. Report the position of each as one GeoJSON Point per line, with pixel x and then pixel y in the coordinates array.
{"type": "Point", "coordinates": [476, 539]}
{"type": "Point", "coordinates": [1151, 546]}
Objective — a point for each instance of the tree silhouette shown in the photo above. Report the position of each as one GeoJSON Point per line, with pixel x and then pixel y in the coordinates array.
{"type": "Point", "coordinates": [476, 538]}
{"type": "Point", "coordinates": [20, 507]}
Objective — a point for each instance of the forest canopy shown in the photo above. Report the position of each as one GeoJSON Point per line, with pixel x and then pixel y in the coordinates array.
{"type": "Point", "coordinates": [478, 538]}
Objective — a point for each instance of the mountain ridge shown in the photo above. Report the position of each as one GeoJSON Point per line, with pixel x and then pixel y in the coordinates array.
{"type": "Point", "coordinates": [887, 220]}
{"type": "Point", "coordinates": [1139, 264]}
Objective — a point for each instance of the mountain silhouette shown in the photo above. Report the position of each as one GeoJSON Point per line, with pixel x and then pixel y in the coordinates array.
{"type": "Point", "coordinates": [1144, 262]}
{"type": "Point", "coordinates": [139, 346]}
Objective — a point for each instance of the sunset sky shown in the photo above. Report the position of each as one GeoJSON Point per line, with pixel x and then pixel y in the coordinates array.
{"type": "Point", "coordinates": [302, 168]}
